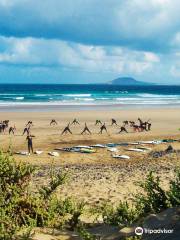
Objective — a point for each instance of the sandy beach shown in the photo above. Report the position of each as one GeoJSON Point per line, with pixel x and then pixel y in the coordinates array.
{"type": "Point", "coordinates": [96, 176]}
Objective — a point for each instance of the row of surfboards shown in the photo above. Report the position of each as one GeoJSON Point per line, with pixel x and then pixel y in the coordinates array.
{"type": "Point", "coordinates": [140, 147]}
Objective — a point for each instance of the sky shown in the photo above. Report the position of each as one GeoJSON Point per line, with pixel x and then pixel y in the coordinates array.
{"type": "Point", "coordinates": [89, 41]}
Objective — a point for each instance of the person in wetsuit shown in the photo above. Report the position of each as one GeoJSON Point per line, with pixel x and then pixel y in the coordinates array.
{"type": "Point", "coordinates": [2, 127]}
{"type": "Point", "coordinates": [98, 122]}
{"type": "Point", "coordinates": [75, 122]}
{"type": "Point", "coordinates": [103, 128]}
{"type": "Point", "coordinates": [66, 130]}
{"type": "Point", "coordinates": [29, 124]}
{"type": "Point", "coordinates": [86, 129]}
{"type": "Point", "coordinates": [113, 121]}
{"type": "Point", "coordinates": [26, 130]}
{"type": "Point", "coordinates": [149, 126]}
{"type": "Point", "coordinates": [53, 122]}
{"type": "Point", "coordinates": [123, 129]}
{"type": "Point", "coordinates": [30, 143]}
{"type": "Point", "coordinates": [12, 130]}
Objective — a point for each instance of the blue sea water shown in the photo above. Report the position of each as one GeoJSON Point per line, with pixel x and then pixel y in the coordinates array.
{"type": "Point", "coordinates": [27, 94]}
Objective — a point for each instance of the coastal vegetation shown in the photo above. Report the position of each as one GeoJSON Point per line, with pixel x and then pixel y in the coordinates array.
{"type": "Point", "coordinates": [23, 208]}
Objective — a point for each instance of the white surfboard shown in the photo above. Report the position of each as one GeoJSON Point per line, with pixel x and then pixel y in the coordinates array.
{"type": "Point", "coordinates": [135, 150]}
{"type": "Point", "coordinates": [38, 152]}
{"type": "Point", "coordinates": [120, 156]}
{"type": "Point", "coordinates": [112, 149]}
{"type": "Point", "coordinates": [54, 154]}
{"type": "Point", "coordinates": [24, 153]}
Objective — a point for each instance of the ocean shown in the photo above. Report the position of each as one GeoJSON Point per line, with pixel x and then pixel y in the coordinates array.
{"type": "Point", "coordinates": [23, 96]}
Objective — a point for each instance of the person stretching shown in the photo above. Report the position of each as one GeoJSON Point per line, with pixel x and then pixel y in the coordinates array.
{"type": "Point", "coordinates": [103, 128]}
{"type": "Point", "coordinates": [75, 121]}
{"type": "Point", "coordinates": [53, 122]}
{"type": "Point", "coordinates": [123, 129]}
{"type": "Point", "coordinates": [98, 122]}
{"type": "Point", "coordinates": [11, 130]}
{"type": "Point", "coordinates": [113, 121]}
{"type": "Point", "coordinates": [26, 130]}
{"type": "Point", "coordinates": [86, 129]}
{"type": "Point", "coordinates": [66, 130]}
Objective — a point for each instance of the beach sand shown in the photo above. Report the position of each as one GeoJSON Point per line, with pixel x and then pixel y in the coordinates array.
{"type": "Point", "coordinates": [97, 176]}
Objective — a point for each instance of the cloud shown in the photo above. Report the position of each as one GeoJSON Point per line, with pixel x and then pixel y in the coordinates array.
{"type": "Point", "coordinates": [137, 24]}
{"type": "Point", "coordinates": [89, 58]}
{"type": "Point", "coordinates": [175, 70]}
{"type": "Point", "coordinates": [84, 38]}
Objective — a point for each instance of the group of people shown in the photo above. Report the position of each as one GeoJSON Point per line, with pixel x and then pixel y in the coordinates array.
{"type": "Point", "coordinates": [137, 127]}
{"type": "Point", "coordinates": [142, 126]}
{"type": "Point", "coordinates": [4, 125]}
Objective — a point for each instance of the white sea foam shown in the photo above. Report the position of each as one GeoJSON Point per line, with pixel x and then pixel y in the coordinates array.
{"type": "Point", "coordinates": [126, 99]}
{"type": "Point", "coordinates": [77, 95]}
{"type": "Point", "coordinates": [19, 98]}
{"type": "Point", "coordinates": [148, 95]}
{"type": "Point", "coordinates": [85, 99]}
{"type": "Point", "coordinates": [112, 98]}
{"type": "Point", "coordinates": [41, 95]}
{"type": "Point", "coordinates": [103, 98]}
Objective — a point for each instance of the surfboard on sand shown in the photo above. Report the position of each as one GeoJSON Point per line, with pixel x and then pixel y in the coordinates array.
{"type": "Point", "coordinates": [121, 156]}
{"type": "Point", "coordinates": [145, 148]}
{"type": "Point", "coordinates": [135, 150]}
{"type": "Point", "coordinates": [38, 152]}
{"type": "Point", "coordinates": [23, 153]}
{"type": "Point", "coordinates": [112, 149]}
{"type": "Point", "coordinates": [98, 146]}
{"type": "Point", "coordinates": [87, 150]}
{"type": "Point", "coordinates": [54, 154]}
{"type": "Point", "coordinates": [82, 146]}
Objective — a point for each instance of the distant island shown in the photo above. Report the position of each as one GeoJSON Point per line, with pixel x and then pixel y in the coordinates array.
{"type": "Point", "coordinates": [124, 81]}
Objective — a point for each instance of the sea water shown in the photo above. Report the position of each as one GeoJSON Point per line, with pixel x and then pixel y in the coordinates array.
{"type": "Point", "coordinates": [88, 95]}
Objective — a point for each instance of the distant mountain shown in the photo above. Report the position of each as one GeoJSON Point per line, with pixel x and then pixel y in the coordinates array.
{"type": "Point", "coordinates": [124, 81]}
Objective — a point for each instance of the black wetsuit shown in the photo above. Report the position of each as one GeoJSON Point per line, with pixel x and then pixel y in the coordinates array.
{"type": "Point", "coordinates": [113, 121]}
{"type": "Point", "coordinates": [3, 127]}
{"type": "Point", "coordinates": [75, 121]}
{"type": "Point", "coordinates": [103, 127]}
{"type": "Point", "coordinates": [66, 130]}
{"type": "Point", "coordinates": [26, 130]}
{"type": "Point", "coordinates": [53, 121]}
{"type": "Point", "coordinates": [98, 122]}
{"type": "Point", "coordinates": [123, 129]}
{"type": "Point", "coordinates": [11, 130]}
{"type": "Point", "coordinates": [86, 129]}
{"type": "Point", "coordinates": [30, 144]}
{"type": "Point", "coordinates": [149, 126]}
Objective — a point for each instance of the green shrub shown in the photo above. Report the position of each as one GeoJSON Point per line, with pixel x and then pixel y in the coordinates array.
{"type": "Point", "coordinates": [122, 215]}
{"type": "Point", "coordinates": [64, 213]}
{"type": "Point", "coordinates": [174, 192]}
{"type": "Point", "coordinates": [21, 208]}
{"type": "Point", "coordinates": [57, 179]}
{"type": "Point", "coordinates": [154, 199]}
{"type": "Point", "coordinates": [14, 180]}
